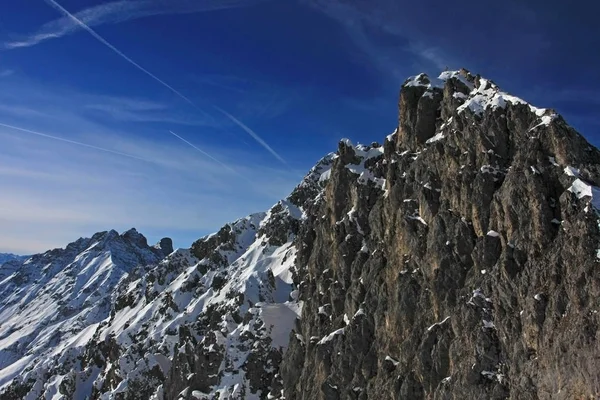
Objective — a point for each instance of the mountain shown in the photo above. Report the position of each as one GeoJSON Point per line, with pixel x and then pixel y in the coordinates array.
{"type": "Point", "coordinates": [462, 263]}
{"type": "Point", "coordinates": [5, 257]}
{"type": "Point", "coordinates": [458, 260]}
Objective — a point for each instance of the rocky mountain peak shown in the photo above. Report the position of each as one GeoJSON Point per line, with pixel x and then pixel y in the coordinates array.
{"type": "Point", "coordinates": [133, 236]}
{"type": "Point", "coordinates": [165, 246]}
{"type": "Point", "coordinates": [459, 269]}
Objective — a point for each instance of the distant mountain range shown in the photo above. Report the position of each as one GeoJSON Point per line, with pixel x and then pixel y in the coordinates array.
{"type": "Point", "coordinates": [4, 257]}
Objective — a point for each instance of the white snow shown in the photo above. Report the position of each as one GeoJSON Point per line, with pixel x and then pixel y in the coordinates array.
{"type": "Point", "coordinates": [347, 142]}
{"type": "Point", "coordinates": [437, 137]}
{"type": "Point", "coordinates": [488, 169]}
{"type": "Point", "coordinates": [417, 218]}
{"type": "Point", "coordinates": [365, 175]}
{"type": "Point", "coordinates": [279, 319]}
{"type": "Point", "coordinates": [488, 324]}
{"type": "Point", "coordinates": [331, 336]}
{"type": "Point", "coordinates": [571, 171]}
{"type": "Point", "coordinates": [582, 189]}
{"type": "Point", "coordinates": [346, 319]}
{"type": "Point", "coordinates": [493, 233]}
{"type": "Point", "coordinates": [493, 376]}
{"type": "Point", "coordinates": [420, 80]}
{"type": "Point", "coordinates": [392, 360]}
{"type": "Point", "coordinates": [390, 137]}
{"type": "Point", "coordinates": [488, 95]}
{"type": "Point", "coordinates": [66, 307]}
{"type": "Point", "coordinates": [545, 121]}
{"type": "Point", "coordinates": [358, 313]}
{"type": "Point", "coordinates": [438, 324]}
{"type": "Point", "coordinates": [444, 76]}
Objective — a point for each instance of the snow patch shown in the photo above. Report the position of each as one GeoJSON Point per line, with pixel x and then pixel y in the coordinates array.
{"type": "Point", "coordinates": [435, 138]}
{"type": "Point", "coordinates": [488, 96]}
{"type": "Point", "coordinates": [438, 324]}
{"type": "Point", "coordinates": [331, 336]}
{"type": "Point", "coordinates": [582, 189]}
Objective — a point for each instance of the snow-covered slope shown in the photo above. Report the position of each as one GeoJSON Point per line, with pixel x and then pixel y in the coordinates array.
{"type": "Point", "coordinates": [53, 302]}
{"type": "Point", "coordinates": [110, 317]}
{"type": "Point", "coordinates": [6, 257]}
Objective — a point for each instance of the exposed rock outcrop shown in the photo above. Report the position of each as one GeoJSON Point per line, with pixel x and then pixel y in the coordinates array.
{"type": "Point", "coordinates": [471, 273]}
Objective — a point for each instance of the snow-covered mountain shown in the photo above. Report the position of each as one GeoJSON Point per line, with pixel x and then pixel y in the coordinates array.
{"type": "Point", "coordinates": [5, 257]}
{"type": "Point", "coordinates": [458, 260]}
{"type": "Point", "coordinates": [52, 303]}
{"type": "Point", "coordinates": [112, 317]}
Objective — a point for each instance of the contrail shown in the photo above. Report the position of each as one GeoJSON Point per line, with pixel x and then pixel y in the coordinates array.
{"type": "Point", "coordinates": [92, 32]}
{"type": "Point", "coordinates": [214, 159]}
{"type": "Point", "coordinates": [251, 133]}
{"type": "Point", "coordinates": [90, 146]}
{"type": "Point", "coordinates": [202, 151]}
{"type": "Point", "coordinates": [117, 11]}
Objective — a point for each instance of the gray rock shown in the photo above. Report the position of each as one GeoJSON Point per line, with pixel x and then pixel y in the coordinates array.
{"type": "Point", "coordinates": [470, 289]}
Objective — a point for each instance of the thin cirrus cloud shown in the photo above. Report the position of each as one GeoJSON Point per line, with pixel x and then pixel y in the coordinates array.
{"type": "Point", "coordinates": [155, 186]}
{"type": "Point", "coordinates": [60, 139]}
{"type": "Point", "coordinates": [137, 110]}
{"type": "Point", "coordinates": [362, 19]}
{"type": "Point", "coordinates": [62, 167]}
{"type": "Point", "coordinates": [75, 20]}
{"type": "Point", "coordinates": [202, 152]}
{"type": "Point", "coordinates": [120, 11]}
{"type": "Point", "coordinates": [252, 133]}
{"type": "Point", "coordinates": [86, 27]}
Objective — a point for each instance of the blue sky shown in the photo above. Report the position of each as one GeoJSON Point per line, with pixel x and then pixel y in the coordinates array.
{"type": "Point", "coordinates": [259, 91]}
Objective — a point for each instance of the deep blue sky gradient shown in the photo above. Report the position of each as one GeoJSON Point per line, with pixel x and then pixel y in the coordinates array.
{"type": "Point", "coordinates": [301, 74]}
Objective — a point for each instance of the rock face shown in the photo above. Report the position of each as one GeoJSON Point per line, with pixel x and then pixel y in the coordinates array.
{"type": "Point", "coordinates": [458, 260]}
{"type": "Point", "coordinates": [471, 273]}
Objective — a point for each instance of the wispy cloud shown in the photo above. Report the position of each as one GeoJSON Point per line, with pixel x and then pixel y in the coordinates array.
{"type": "Point", "coordinates": [379, 32]}
{"type": "Point", "coordinates": [253, 134]}
{"type": "Point", "coordinates": [56, 190]}
{"type": "Point", "coordinates": [82, 188]}
{"type": "Point", "coordinates": [74, 19]}
{"type": "Point", "coordinates": [121, 11]}
{"type": "Point", "coordinates": [201, 151]}
{"type": "Point", "coordinates": [430, 54]}
{"type": "Point", "coordinates": [252, 97]}
{"type": "Point", "coordinates": [60, 139]}
{"type": "Point", "coordinates": [23, 99]}
{"type": "Point", "coordinates": [140, 110]}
